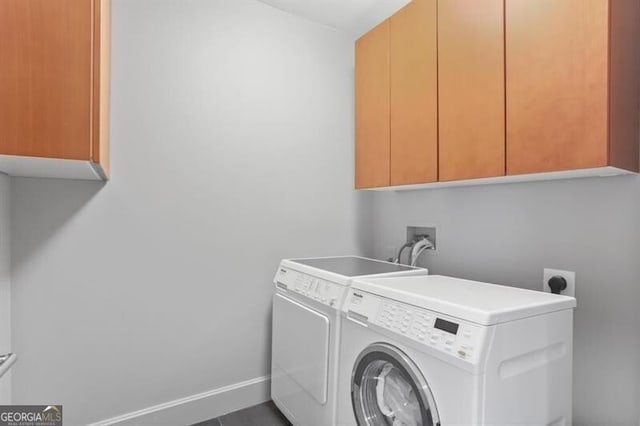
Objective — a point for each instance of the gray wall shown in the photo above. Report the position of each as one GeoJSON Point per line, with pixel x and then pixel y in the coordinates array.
{"type": "Point", "coordinates": [5, 285]}
{"type": "Point", "coordinates": [507, 234]}
{"type": "Point", "coordinates": [232, 140]}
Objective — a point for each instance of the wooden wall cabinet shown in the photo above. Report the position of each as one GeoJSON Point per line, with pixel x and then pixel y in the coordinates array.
{"type": "Point", "coordinates": [471, 89]}
{"type": "Point", "coordinates": [396, 100]}
{"type": "Point", "coordinates": [524, 90]}
{"type": "Point", "coordinates": [572, 84]}
{"type": "Point", "coordinates": [414, 94]}
{"type": "Point", "coordinates": [372, 108]}
{"type": "Point", "coordinates": [54, 88]}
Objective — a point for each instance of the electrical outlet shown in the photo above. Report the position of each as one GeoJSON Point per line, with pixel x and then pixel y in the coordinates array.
{"type": "Point", "coordinates": [569, 276]}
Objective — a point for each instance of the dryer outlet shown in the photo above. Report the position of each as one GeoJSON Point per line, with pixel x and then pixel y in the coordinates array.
{"type": "Point", "coordinates": [569, 276]}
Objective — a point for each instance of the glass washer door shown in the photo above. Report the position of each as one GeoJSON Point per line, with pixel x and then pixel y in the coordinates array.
{"type": "Point", "coordinates": [387, 389]}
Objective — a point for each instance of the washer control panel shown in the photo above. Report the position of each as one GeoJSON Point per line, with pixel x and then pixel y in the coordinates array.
{"type": "Point", "coordinates": [460, 339]}
{"type": "Point", "coordinates": [322, 291]}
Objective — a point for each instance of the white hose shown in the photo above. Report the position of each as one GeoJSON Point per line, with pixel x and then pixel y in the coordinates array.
{"type": "Point", "coordinates": [419, 248]}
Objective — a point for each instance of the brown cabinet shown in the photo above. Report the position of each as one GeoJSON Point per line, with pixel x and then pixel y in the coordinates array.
{"type": "Point", "coordinates": [414, 94]}
{"type": "Point", "coordinates": [54, 92]}
{"type": "Point", "coordinates": [557, 84]}
{"type": "Point", "coordinates": [530, 89]}
{"type": "Point", "coordinates": [372, 108]}
{"type": "Point", "coordinates": [471, 89]}
{"type": "Point", "coordinates": [396, 100]}
{"type": "Point", "coordinates": [572, 84]}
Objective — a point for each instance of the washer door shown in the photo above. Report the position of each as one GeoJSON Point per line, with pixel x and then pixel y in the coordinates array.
{"type": "Point", "coordinates": [387, 389]}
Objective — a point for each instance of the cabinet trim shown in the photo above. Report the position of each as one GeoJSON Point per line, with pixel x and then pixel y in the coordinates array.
{"type": "Point", "coordinates": [44, 167]}
{"type": "Point", "coordinates": [101, 77]}
{"type": "Point", "coordinates": [531, 177]}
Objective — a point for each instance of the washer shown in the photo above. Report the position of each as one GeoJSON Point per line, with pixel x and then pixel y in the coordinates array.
{"type": "Point", "coordinates": [306, 326]}
{"type": "Point", "coordinates": [434, 350]}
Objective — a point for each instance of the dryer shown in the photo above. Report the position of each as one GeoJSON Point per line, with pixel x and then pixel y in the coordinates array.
{"type": "Point", "coordinates": [306, 326]}
{"type": "Point", "coordinates": [434, 350]}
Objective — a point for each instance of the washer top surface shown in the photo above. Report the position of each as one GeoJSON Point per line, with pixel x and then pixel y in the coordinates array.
{"type": "Point", "coordinates": [478, 302]}
{"type": "Point", "coordinates": [353, 266]}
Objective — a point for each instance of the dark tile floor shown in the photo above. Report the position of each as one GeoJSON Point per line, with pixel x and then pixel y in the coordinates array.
{"type": "Point", "coordinates": [260, 415]}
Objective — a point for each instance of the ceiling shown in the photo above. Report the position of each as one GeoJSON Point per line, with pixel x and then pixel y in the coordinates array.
{"type": "Point", "coordinates": [352, 16]}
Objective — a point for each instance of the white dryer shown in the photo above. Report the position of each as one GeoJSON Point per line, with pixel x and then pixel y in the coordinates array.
{"type": "Point", "coordinates": [306, 326]}
{"type": "Point", "coordinates": [434, 350]}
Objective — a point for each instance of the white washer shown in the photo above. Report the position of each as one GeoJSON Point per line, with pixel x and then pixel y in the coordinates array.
{"type": "Point", "coordinates": [306, 326]}
{"type": "Point", "coordinates": [434, 350]}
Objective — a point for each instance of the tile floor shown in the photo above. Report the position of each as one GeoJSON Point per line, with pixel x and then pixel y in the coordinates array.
{"type": "Point", "coordinates": [260, 415]}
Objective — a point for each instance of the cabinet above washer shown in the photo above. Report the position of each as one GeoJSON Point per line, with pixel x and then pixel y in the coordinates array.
{"type": "Point", "coordinates": [505, 91]}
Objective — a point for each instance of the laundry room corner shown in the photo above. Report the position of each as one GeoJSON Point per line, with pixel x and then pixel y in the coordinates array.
{"type": "Point", "coordinates": [507, 234]}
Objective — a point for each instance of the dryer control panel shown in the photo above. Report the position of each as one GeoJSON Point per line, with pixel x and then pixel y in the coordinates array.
{"type": "Point", "coordinates": [460, 339]}
{"type": "Point", "coordinates": [322, 291]}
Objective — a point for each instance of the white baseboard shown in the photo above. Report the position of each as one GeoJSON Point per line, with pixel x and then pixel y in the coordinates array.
{"type": "Point", "coordinates": [199, 407]}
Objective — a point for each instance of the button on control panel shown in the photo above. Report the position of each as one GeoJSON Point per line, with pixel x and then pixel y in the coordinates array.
{"type": "Point", "coordinates": [322, 291]}
{"type": "Point", "coordinates": [450, 335]}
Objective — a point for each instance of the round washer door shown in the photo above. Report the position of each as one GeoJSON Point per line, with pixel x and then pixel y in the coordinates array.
{"type": "Point", "coordinates": [387, 389]}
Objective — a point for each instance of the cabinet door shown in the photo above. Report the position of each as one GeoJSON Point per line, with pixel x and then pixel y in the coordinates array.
{"type": "Point", "coordinates": [372, 108]}
{"type": "Point", "coordinates": [45, 78]}
{"type": "Point", "coordinates": [557, 60]}
{"type": "Point", "coordinates": [414, 94]}
{"type": "Point", "coordinates": [471, 89]}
